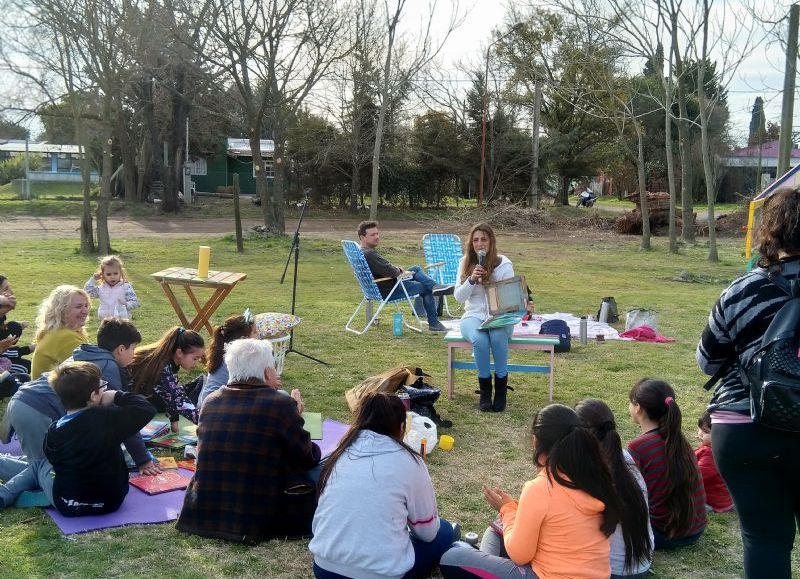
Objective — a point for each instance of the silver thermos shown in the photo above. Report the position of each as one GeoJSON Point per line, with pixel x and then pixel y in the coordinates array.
{"type": "Point", "coordinates": [584, 332]}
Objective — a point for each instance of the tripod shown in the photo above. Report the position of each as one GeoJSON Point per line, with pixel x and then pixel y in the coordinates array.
{"type": "Point", "coordinates": [296, 250]}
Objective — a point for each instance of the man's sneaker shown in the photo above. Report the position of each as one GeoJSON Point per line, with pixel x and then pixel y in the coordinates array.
{"type": "Point", "coordinates": [438, 328]}
{"type": "Point", "coordinates": [443, 290]}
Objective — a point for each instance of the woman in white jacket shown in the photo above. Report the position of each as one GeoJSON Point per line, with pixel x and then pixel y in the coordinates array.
{"type": "Point", "coordinates": [377, 517]}
{"type": "Point", "coordinates": [482, 264]}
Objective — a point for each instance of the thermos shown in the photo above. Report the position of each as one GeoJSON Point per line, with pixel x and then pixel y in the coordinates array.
{"type": "Point", "coordinates": [397, 324]}
{"type": "Point", "coordinates": [604, 313]}
{"type": "Point", "coordinates": [584, 331]}
{"type": "Point", "coordinates": [471, 539]}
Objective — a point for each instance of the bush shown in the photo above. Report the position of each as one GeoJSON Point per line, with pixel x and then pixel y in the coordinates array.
{"type": "Point", "coordinates": [14, 168]}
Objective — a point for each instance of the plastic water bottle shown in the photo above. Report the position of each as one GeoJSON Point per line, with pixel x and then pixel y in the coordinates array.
{"type": "Point", "coordinates": [584, 331]}
{"type": "Point", "coordinates": [397, 324]}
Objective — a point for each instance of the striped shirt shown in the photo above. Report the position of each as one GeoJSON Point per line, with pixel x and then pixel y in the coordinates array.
{"type": "Point", "coordinates": [735, 326]}
{"type": "Point", "coordinates": [649, 453]}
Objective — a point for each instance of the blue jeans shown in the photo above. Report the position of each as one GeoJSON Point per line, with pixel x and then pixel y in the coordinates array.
{"type": "Point", "coordinates": [484, 341]}
{"type": "Point", "coordinates": [423, 285]}
{"type": "Point", "coordinates": [426, 555]}
{"type": "Point", "coordinates": [660, 540]}
{"type": "Point", "coordinates": [20, 476]}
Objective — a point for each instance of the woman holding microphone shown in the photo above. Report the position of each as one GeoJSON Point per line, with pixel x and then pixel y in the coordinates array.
{"type": "Point", "coordinates": [482, 264]}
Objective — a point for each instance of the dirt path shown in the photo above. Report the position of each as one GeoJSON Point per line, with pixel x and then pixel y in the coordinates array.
{"type": "Point", "coordinates": [25, 227]}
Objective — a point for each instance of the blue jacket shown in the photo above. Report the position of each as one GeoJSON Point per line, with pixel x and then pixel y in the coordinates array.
{"type": "Point", "coordinates": [104, 360]}
{"type": "Point", "coordinates": [30, 411]}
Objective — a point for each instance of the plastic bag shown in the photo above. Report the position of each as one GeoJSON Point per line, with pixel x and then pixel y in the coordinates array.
{"type": "Point", "coordinates": [421, 427]}
{"type": "Point", "coordinates": [641, 317]}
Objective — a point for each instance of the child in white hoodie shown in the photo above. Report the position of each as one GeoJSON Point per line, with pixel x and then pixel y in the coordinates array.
{"type": "Point", "coordinates": [377, 517]}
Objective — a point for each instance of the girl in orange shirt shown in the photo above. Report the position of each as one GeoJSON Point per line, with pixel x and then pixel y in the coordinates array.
{"type": "Point", "coordinates": [560, 526]}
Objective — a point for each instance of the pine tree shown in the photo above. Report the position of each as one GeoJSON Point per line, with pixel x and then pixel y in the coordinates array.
{"type": "Point", "coordinates": [757, 127]}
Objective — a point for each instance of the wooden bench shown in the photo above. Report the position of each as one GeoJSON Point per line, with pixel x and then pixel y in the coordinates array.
{"type": "Point", "coordinates": [542, 343]}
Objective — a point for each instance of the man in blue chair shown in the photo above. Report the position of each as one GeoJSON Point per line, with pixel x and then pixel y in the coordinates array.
{"type": "Point", "coordinates": [369, 236]}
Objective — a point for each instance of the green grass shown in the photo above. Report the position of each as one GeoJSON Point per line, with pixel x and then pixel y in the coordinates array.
{"type": "Point", "coordinates": [566, 275]}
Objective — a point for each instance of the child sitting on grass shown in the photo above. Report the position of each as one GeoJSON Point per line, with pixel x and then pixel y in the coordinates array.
{"type": "Point", "coordinates": [155, 372]}
{"type": "Point", "coordinates": [84, 472]}
{"type": "Point", "coordinates": [718, 499]}
{"type": "Point", "coordinates": [110, 285]}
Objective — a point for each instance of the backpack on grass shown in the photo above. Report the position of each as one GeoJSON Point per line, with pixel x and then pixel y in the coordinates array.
{"type": "Point", "coordinates": [773, 376]}
{"type": "Point", "coordinates": [558, 328]}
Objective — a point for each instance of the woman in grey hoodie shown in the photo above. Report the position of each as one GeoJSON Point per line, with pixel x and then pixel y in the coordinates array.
{"type": "Point", "coordinates": [377, 517]}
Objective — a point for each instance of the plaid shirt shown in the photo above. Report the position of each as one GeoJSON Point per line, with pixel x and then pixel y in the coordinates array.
{"type": "Point", "coordinates": [251, 449]}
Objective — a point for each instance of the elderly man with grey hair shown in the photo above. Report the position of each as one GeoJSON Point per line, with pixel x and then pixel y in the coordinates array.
{"type": "Point", "coordinates": [253, 459]}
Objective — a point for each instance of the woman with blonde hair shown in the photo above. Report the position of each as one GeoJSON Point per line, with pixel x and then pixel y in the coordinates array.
{"type": "Point", "coordinates": [60, 327]}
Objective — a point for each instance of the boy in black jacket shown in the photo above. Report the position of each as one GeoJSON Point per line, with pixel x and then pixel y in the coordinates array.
{"type": "Point", "coordinates": [86, 473]}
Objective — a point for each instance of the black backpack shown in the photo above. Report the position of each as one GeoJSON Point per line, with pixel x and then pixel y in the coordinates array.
{"type": "Point", "coordinates": [560, 329]}
{"type": "Point", "coordinates": [773, 376]}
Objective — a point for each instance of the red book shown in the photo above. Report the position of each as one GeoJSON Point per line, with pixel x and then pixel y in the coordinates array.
{"type": "Point", "coordinates": [160, 483]}
{"type": "Point", "coordinates": [188, 464]}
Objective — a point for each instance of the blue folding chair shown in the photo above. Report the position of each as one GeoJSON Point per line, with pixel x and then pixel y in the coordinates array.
{"type": "Point", "coordinates": [369, 287]}
{"type": "Point", "coordinates": [443, 255]}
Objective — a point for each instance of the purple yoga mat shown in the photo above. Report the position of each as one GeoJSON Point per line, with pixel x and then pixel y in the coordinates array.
{"type": "Point", "coordinates": [141, 508]}
{"type": "Point", "coordinates": [12, 447]}
{"type": "Point", "coordinates": [332, 433]}
{"type": "Point", "coordinates": [137, 508]}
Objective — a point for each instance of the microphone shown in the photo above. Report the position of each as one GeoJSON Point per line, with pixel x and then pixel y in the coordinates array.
{"type": "Point", "coordinates": [481, 257]}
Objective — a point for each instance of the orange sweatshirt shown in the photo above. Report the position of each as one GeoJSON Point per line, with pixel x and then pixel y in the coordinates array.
{"type": "Point", "coordinates": [556, 530]}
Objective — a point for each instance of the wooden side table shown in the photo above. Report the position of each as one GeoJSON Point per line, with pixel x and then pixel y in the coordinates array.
{"type": "Point", "coordinates": [222, 282]}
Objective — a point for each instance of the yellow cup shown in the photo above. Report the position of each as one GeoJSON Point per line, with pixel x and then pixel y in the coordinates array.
{"type": "Point", "coordinates": [203, 261]}
{"type": "Point", "coordinates": [446, 442]}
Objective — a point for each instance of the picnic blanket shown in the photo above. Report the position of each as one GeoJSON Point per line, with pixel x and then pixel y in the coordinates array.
{"type": "Point", "coordinates": [532, 326]}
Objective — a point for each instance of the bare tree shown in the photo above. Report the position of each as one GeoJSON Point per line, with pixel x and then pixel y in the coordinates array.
{"type": "Point", "coordinates": [401, 62]}
{"type": "Point", "coordinates": [274, 52]}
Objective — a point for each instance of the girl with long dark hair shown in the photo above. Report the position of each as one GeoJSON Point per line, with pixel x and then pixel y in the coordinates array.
{"type": "Point", "coordinates": [632, 541]}
{"type": "Point", "coordinates": [232, 329]}
{"type": "Point", "coordinates": [377, 513]}
{"type": "Point", "coordinates": [155, 372]}
{"type": "Point", "coordinates": [561, 523]}
{"type": "Point", "coordinates": [674, 485]}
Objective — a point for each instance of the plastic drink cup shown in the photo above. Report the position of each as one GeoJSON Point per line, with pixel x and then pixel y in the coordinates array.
{"type": "Point", "coordinates": [446, 442]}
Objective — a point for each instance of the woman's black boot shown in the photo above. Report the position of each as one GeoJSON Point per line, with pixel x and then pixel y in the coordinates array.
{"type": "Point", "coordinates": [500, 391]}
{"type": "Point", "coordinates": [486, 393]}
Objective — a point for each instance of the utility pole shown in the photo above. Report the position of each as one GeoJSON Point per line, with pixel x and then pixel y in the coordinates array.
{"type": "Point", "coordinates": [537, 115]}
{"type": "Point", "coordinates": [785, 142]}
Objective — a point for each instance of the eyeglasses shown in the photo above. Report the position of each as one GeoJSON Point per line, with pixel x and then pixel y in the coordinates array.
{"type": "Point", "coordinates": [103, 386]}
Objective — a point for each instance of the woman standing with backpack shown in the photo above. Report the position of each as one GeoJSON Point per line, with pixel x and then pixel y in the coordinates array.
{"type": "Point", "coordinates": [760, 465]}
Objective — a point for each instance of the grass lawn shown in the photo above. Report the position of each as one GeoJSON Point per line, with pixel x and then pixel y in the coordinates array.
{"type": "Point", "coordinates": [568, 274]}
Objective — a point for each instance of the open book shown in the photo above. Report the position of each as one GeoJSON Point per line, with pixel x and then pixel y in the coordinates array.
{"type": "Point", "coordinates": [506, 301]}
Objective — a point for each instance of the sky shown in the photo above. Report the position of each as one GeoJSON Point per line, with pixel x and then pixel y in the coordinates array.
{"type": "Point", "coordinates": [760, 74]}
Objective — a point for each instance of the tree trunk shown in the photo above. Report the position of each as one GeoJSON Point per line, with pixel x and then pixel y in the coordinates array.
{"type": "Point", "coordinates": [684, 146]}
{"type": "Point", "coordinates": [705, 145]}
{"type": "Point", "coordinates": [673, 233]}
{"type": "Point", "coordinates": [376, 150]}
{"type": "Point", "coordinates": [103, 238]}
{"type": "Point", "coordinates": [537, 113]}
{"type": "Point", "coordinates": [258, 169]}
{"type": "Point", "coordinates": [155, 170]}
{"type": "Point", "coordinates": [277, 208]}
{"type": "Point", "coordinates": [87, 233]}
{"type": "Point", "coordinates": [640, 172]}
{"type": "Point", "coordinates": [128, 156]}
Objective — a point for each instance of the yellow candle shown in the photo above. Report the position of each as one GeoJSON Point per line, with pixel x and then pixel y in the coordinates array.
{"type": "Point", "coordinates": [205, 258]}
